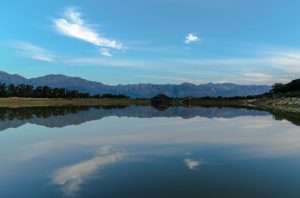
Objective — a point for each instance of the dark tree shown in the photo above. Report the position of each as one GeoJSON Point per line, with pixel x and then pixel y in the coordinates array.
{"type": "Point", "coordinates": [12, 91]}
{"type": "Point", "coordinates": [3, 91]}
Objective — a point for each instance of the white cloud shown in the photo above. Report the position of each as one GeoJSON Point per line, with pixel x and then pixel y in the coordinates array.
{"type": "Point", "coordinates": [191, 38]}
{"type": "Point", "coordinates": [192, 164]}
{"type": "Point", "coordinates": [33, 51]}
{"type": "Point", "coordinates": [74, 26]}
{"type": "Point", "coordinates": [286, 60]}
{"type": "Point", "coordinates": [105, 52]}
{"type": "Point", "coordinates": [257, 75]}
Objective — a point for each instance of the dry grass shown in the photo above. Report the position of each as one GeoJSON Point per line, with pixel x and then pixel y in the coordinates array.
{"type": "Point", "coordinates": [44, 102]}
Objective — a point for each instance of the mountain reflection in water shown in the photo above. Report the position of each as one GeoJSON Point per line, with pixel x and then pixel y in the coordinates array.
{"type": "Point", "coordinates": [64, 116]}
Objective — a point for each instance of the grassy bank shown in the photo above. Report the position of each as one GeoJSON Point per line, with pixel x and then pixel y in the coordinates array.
{"type": "Point", "coordinates": [15, 102]}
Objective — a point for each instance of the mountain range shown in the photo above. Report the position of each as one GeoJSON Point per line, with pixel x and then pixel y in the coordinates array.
{"type": "Point", "coordinates": [137, 90]}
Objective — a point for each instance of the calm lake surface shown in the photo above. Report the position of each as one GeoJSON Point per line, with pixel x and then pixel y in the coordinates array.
{"type": "Point", "coordinates": [141, 152]}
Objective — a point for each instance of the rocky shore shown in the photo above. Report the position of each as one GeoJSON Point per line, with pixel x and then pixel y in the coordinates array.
{"type": "Point", "coordinates": [284, 104]}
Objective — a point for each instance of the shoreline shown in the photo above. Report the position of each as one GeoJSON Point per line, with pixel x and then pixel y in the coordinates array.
{"type": "Point", "coordinates": [282, 104]}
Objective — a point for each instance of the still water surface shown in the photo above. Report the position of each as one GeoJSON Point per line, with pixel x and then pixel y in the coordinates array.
{"type": "Point", "coordinates": [141, 152]}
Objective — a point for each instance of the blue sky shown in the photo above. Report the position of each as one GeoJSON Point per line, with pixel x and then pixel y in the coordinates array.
{"type": "Point", "coordinates": [153, 41]}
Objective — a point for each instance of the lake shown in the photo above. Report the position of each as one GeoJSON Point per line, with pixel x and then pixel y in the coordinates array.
{"type": "Point", "coordinates": [141, 152]}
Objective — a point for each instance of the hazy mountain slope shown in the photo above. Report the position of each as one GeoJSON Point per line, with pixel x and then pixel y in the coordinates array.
{"type": "Point", "coordinates": [66, 82]}
{"type": "Point", "coordinates": [11, 78]}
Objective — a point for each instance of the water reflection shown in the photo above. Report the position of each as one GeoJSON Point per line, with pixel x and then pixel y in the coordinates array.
{"type": "Point", "coordinates": [52, 116]}
{"type": "Point", "coordinates": [112, 152]}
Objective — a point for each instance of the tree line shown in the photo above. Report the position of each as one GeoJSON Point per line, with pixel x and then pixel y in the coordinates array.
{"type": "Point", "coordinates": [292, 86]}
{"type": "Point", "coordinates": [29, 91]}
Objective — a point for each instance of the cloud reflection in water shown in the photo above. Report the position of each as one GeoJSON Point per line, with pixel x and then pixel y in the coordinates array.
{"type": "Point", "coordinates": [71, 177]}
{"type": "Point", "coordinates": [192, 164]}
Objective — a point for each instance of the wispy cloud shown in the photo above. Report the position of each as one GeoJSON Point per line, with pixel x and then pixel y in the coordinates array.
{"type": "Point", "coordinates": [257, 75]}
{"type": "Point", "coordinates": [33, 51]}
{"type": "Point", "coordinates": [267, 67]}
{"type": "Point", "coordinates": [255, 78]}
{"type": "Point", "coordinates": [105, 52]}
{"type": "Point", "coordinates": [176, 79]}
{"type": "Point", "coordinates": [191, 37]}
{"type": "Point", "coordinates": [121, 63]}
{"type": "Point", "coordinates": [73, 25]}
{"type": "Point", "coordinates": [286, 60]}
{"type": "Point", "coordinates": [264, 68]}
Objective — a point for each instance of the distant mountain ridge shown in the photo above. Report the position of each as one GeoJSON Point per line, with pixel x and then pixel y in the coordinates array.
{"type": "Point", "coordinates": [137, 90]}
